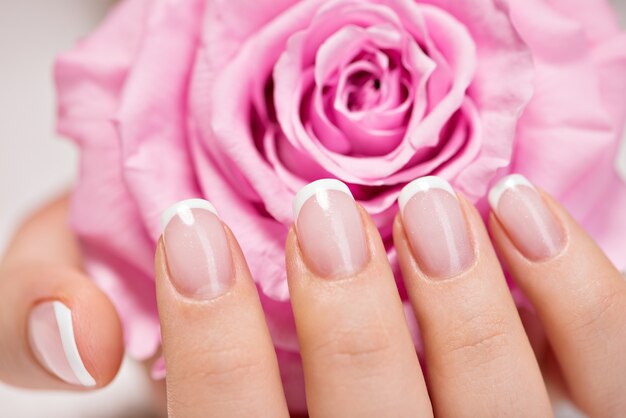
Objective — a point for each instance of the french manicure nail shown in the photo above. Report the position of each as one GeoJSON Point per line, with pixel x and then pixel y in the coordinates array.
{"type": "Point", "coordinates": [531, 226]}
{"type": "Point", "coordinates": [51, 336]}
{"type": "Point", "coordinates": [196, 249]}
{"type": "Point", "coordinates": [329, 229]}
{"type": "Point", "coordinates": [435, 227]}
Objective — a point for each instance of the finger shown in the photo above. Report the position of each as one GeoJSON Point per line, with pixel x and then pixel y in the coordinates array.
{"type": "Point", "coordinates": [579, 295]}
{"type": "Point", "coordinates": [479, 360]}
{"type": "Point", "coordinates": [57, 329]}
{"type": "Point", "coordinates": [357, 352]}
{"type": "Point", "coordinates": [219, 357]}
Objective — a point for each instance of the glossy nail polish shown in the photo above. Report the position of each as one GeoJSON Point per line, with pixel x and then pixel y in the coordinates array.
{"type": "Point", "coordinates": [197, 251]}
{"type": "Point", "coordinates": [51, 336]}
{"type": "Point", "coordinates": [329, 228]}
{"type": "Point", "coordinates": [435, 226]}
{"type": "Point", "coordinates": [528, 221]}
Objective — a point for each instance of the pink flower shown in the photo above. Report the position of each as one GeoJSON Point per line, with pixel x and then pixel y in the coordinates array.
{"type": "Point", "coordinates": [243, 102]}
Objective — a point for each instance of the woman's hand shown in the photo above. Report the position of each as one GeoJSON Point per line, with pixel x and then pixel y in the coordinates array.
{"type": "Point", "coordinates": [356, 347]}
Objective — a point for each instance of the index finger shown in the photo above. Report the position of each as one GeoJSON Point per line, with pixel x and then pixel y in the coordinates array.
{"type": "Point", "coordinates": [219, 357]}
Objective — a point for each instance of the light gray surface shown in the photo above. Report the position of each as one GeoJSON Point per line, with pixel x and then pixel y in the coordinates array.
{"type": "Point", "coordinates": [34, 165]}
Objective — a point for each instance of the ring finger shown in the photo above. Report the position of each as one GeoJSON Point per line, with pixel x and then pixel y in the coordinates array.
{"type": "Point", "coordinates": [479, 359]}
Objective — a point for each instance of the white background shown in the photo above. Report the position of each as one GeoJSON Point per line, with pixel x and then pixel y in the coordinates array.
{"type": "Point", "coordinates": [35, 165]}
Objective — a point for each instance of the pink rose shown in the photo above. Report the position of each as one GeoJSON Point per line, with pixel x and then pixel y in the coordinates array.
{"type": "Point", "coordinates": [243, 102]}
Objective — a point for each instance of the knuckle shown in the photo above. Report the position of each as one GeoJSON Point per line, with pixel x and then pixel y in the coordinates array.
{"type": "Point", "coordinates": [479, 339]}
{"type": "Point", "coordinates": [608, 404]}
{"type": "Point", "coordinates": [217, 365]}
{"type": "Point", "coordinates": [612, 406]}
{"type": "Point", "coordinates": [355, 347]}
{"type": "Point", "coordinates": [599, 313]}
{"type": "Point", "coordinates": [229, 368]}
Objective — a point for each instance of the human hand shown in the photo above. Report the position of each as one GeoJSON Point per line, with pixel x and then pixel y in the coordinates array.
{"type": "Point", "coordinates": [357, 352]}
{"type": "Point", "coordinates": [356, 348]}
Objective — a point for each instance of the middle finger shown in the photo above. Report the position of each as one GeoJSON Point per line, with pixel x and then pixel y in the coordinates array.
{"type": "Point", "coordinates": [358, 356]}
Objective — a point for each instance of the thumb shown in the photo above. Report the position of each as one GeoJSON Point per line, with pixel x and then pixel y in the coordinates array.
{"type": "Point", "coordinates": [57, 329]}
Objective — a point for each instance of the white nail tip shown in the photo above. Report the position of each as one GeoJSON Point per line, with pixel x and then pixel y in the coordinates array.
{"type": "Point", "coordinates": [183, 209]}
{"type": "Point", "coordinates": [66, 330]}
{"type": "Point", "coordinates": [422, 184]}
{"type": "Point", "coordinates": [314, 188]}
{"type": "Point", "coordinates": [503, 185]}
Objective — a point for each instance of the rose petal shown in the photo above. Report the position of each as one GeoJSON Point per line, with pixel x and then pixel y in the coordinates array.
{"type": "Point", "coordinates": [104, 215]}
{"type": "Point", "coordinates": [499, 100]}
{"type": "Point", "coordinates": [368, 170]}
{"type": "Point", "coordinates": [224, 124]}
{"type": "Point", "coordinates": [341, 46]}
{"type": "Point", "coordinates": [228, 23]}
{"type": "Point", "coordinates": [609, 57]}
{"type": "Point", "coordinates": [133, 295]}
{"type": "Point", "coordinates": [292, 377]}
{"type": "Point", "coordinates": [575, 116]}
{"type": "Point", "coordinates": [261, 237]}
{"type": "Point", "coordinates": [152, 115]}
{"type": "Point", "coordinates": [598, 17]}
{"type": "Point", "coordinates": [300, 54]}
{"type": "Point", "coordinates": [293, 167]}
{"type": "Point", "coordinates": [585, 181]}
{"type": "Point", "coordinates": [606, 218]}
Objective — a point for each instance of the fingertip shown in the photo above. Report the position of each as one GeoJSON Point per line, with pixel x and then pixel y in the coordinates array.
{"type": "Point", "coordinates": [373, 237]}
{"type": "Point", "coordinates": [499, 237]}
{"type": "Point", "coordinates": [58, 330]}
{"type": "Point", "coordinates": [472, 215]}
{"type": "Point", "coordinates": [291, 242]}
{"type": "Point", "coordinates": [400, 241]}
{"type": "Point", "coordinates": [159, 259]}
{"type": "Point", "coordinates": [240, 265]}
{"type": "Point", "coordinates": [294, 262]}
{"type": "Point", "coordinates": [298, 265]}
{"type": "Point", "coordinates": [99, 335]}
{"type": "Point", "coordinates": [293, 253]}
{"type": "Point", "coordinates": [72, 336]}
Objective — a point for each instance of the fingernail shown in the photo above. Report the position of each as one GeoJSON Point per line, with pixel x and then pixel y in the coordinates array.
{"type": "Point", "coordinates": [435, 226]}
{"type": "Point", "coordinates": [329, 229]}
{"type": "Point", "coordinates": [529, 223]}
{"type": "Point", "coordinates": [51, 335]}
{"type": "Point", "coordinates": [196, 249]}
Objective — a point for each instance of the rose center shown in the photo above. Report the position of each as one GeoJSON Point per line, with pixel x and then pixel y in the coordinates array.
{"type": "Point", "coordinates": [363, 92]}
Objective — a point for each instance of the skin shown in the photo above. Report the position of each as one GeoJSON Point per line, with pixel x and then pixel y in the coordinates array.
{"type": "Point", "coordinates": [483, 357]}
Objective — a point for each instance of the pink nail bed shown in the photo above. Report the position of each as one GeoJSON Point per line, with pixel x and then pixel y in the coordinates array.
{"type": "Point", "coordinates": [530, 224]}
{"type": "Point", "coordinates": [52, 340]}
{"type": "Point", "coordinates": [329, 229]}
{"type": "Point", "coordinates": [196, 249]}
{"type": "Point", "coordinates": [436, 228]}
